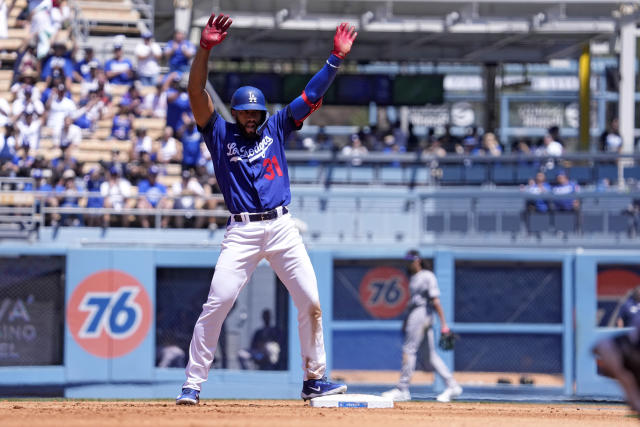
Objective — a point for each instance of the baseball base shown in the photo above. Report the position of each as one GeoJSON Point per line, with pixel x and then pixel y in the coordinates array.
{"type": "Point", "coordinates": [351, 401]}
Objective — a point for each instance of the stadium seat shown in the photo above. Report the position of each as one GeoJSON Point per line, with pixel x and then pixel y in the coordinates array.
{"type": "Point", "coordinates": [305, 173]}
{"type": "Point", "coordinates": [338, 174]}
{"type": "Point", "coordinates": [632, 172]}
{"type": "Point", "coordinates": [361, 174]}
{"type": "Point", "coordinates": [618, 223]}
{"type": "Point", "coordinates": [476, 173]}
{"type": "Point", "coordinates": [391, 175]}
{"type": "Point", "coordinates": [565, 221]}
{"type": "Point", "coordinates": [434, 223]}
{"type": "Point", "coordinates": [525, 172]}
{"type": "Point", "coordinates": [459, 222]}
{"type": "Point", "coordinates": [503, 174]}
{"type": "Point", "coordinates": [607, 171]}
{"type": "Point", "coordinates": [487, 222]}
{"type": "Point", "coordinates": [581, 174]}
{"type": "Point", "coordinates": [592, 222]}
{"type": "Point", "coordinates": [510, 223]}
{"type": "Point", "coordinates": [451, 174]}
{"type": "Point", "coordinates": [538, 222]}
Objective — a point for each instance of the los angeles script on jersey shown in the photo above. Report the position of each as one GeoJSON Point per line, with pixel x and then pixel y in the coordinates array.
{"type": "Point", "coordinates": [249, 153]}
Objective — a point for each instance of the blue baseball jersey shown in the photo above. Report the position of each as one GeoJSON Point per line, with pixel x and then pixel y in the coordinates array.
{"type": "Point", "coordinates": [252, 173]}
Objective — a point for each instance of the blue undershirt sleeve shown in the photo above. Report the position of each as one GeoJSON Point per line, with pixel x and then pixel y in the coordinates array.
{"type": "Point", "coordinates": [315, 89]}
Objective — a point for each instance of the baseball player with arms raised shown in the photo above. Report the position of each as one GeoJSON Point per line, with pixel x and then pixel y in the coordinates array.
{"type": "Point", "coordinates": [424, 300]}
{"type": "Point", "coordinates": [251, 169]}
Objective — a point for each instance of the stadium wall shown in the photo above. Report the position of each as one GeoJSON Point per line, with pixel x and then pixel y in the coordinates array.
{"type": "Point", "coordinates": [535, 309]}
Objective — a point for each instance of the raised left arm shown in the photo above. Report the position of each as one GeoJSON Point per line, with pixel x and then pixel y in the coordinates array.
{"type": "Point", "coordinates": [311, 98]}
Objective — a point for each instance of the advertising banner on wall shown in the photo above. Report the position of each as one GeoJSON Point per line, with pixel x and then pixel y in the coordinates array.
{"type": "Point", "coordinates": [369, 289]}
{"type": "Point", "coordinates": [31, 310]}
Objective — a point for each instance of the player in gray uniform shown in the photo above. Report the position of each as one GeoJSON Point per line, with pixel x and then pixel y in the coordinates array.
{"type": "Point", "coordinates": [424, 302]}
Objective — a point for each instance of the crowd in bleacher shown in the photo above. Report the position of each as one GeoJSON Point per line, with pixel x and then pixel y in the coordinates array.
{"type": "Point", "coordinates": [118, 132]}
{"type": "Point", "coordinates": [121, 132]}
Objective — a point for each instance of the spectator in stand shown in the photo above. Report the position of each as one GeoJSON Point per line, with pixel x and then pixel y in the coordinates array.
{"type": "Point", "coordinates": [26, 62]}
{"type": "Point", "coordinates": [355, 150]}
{"type": "Point", "coordinates": [191, 140]}
{"type": "Point", "coordinates": [179, 52]}
{"type": "Point", "coordinates": [55, 82]}
{"type": "Point", "coordinates": [45, 190]}
{"type": "Point", "coordinates": [324, 141]}
{"type": "Point", "coordinates": [471, 139]}
{"type": "Point", "coordinates": [167, 148]}
{"type": "Point", "coordinates": [22, 162]}
{"type": "Point", "coordinates": [67, 159]}
{"type": "Point", "coordinates": [29, 125]}
{"type": "Point", "coordinates": [122, 123]}
{"type": "Point", "coordinates": [399, 135]}
{"type": "Point", "coordinates": [26, 96]}
{"type": "Point", "coordinates": [58, 107]}
{"type": "Point", "coordinates": [538, 187]}
{"type": "Point", "coordinates": [97, 80]}
{"type": "Point", "coordinates": [413, 142]}
{"type": "Point", "coordinates": [9, 144]}
{"type": "Point", "coordinates": [116, 192]}
{"type": "Point", "coordinates": [434, 149]}
{"type": "Point", "coordinates": [92, 109]}
{"type": "Point", "coordinates": [119, 70]}
{"type": "Point", "coordinates": [148, 53]}
{"type": "Point", "coordinates": [60, 15]}
{"type": "Point", "coordinates": [5, 112]}
{"type": "Point", "coordinates": [211, 203]}
{"type": "Point", "coordinates": [554, 131]}
{"type": "Point", "coordinates": [92, 181]}
{"type": "Point", "coordinates": [155, 104]}
{"type": "Point", "coordinates": [142, 144]}
{"type": "Point", "coordinates": [188, 195]}
{"type": "Point", "coordinates": [5, 9]}
{"type": "Point", "coordinates": [68, 198]}
{"type": "Point", "coordinates": [59, 60]}
{"type": "Point", "coordinates": [42, 27]}
{"type": "Point", "coordinates": [448, 141]}
{"type": "Point", "coordinates": [490, 146]}
{"type": "Point", "coordinates": [82, 70]}
{"type": "Point", "coordinates": [177, 102]}
{"type": "Point", "coordinates": [550, 147]}
{"type": "Point", "coordinates": [152, 195]}
{"type": "Point", "coordinates": [70, 134]}
{"type": "Point", "coordinates": [610, 140]}
{"type": "Point", "coordinates": [565, 186]}
{"type": "Point", "coordinates": [134, 99]}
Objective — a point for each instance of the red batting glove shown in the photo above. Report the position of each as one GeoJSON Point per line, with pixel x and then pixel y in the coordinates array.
{"type": "Point", "coordinates": [215, 31]}
{"type": "Point", "coordinates": [342, 41]}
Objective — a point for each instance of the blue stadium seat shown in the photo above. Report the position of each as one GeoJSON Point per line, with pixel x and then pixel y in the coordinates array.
{"type": "Point", "coordinates": [434, 223]}
{"type": "Point", "coordinates": [504, 173]}
{"type": "Point", "coordinates": [475, 173]}
{"type": "Point", "coordinates": [511, 222]}
{"type": "Point", "coordinates": [525, 172]}
{"type": "Point", "coordinates": [565, 221]}
{"type": "Point", "coordinates": [607, 171]}
{"type": "Point", "coordinates": [305, 173]}
{"type": "Point", "coordinates": [391, 175]}
{"type": "Point", "coordinates": [487, 222]}
{"type": "Point", "coordinates": [632, 172]}
{"type": "Point", "coordinates": [361, 174]}
{"type": "Point", "coordinates": [451, 174]}
{"type": "Point", "coordinates": [538, 222]}
{"type": "Point", "coordinates": [618, 223]}
{"type": "Point", "coordinates": [592, 222]}
{"type": "Point", "coordinates": [459, 222]}
{"type": "Point", "coordinates": [581, 174]}
{"type": "Point", "coordinates": [339, 174]}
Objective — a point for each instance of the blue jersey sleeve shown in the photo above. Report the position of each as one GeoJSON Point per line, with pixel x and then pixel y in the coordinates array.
{"type": "Point", "coordinates": [214, 130]}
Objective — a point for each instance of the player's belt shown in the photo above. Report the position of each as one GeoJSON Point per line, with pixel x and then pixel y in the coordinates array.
{"type": "Point", "coordinates": [261, 216]}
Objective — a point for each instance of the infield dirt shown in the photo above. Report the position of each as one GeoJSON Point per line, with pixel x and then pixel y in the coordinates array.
{"type": "Point", "coordinates": [272, 413]}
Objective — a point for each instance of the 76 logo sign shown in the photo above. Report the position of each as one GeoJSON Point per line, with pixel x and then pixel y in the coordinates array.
{"type": "Point", "coordinates": [114, 313]}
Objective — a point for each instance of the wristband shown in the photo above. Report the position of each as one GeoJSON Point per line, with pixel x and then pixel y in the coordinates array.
{"type": "Point", "coordinates": [334, 60]}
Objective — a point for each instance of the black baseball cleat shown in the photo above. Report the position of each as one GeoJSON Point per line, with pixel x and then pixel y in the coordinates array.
{"type": "Point", "coordinates": [320, 387]}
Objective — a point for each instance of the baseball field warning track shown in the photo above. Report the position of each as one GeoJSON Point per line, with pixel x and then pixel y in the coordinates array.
{"type": "Point", "coordinates": [272, 413]}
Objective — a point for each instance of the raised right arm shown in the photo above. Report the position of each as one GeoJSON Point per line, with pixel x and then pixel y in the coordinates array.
{"type": "Point", "coordinates": [213, 33]}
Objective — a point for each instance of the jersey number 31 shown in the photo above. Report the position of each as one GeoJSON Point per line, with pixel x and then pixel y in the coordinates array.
{"type": "Point", "coordinates": [270, 164]}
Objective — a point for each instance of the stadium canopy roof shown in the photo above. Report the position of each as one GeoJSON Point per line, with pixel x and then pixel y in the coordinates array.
{"type": "Point", "coordinates": [413, 30]}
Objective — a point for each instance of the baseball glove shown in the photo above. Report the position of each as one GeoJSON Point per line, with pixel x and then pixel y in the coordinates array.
{"type": "Point", "coordinates": [447, 340]}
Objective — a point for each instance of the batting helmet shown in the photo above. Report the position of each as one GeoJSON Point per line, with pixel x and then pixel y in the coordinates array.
{"type": "Point", "coordinates": [248, 98]}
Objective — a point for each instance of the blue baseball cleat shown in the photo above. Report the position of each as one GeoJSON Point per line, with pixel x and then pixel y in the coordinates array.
{"type": "Point", "coordinates": [188, 396]}
{"type": "Point", "coordinates": [320, 387]}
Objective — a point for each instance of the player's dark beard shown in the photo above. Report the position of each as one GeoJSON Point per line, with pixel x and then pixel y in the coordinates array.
{"type": "Point", "coordinates": [247, 134]}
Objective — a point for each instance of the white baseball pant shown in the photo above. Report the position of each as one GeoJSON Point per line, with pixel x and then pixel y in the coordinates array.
{"type": "Point", "coordinates": [244, 245]}
{"type": "Point", "coordinates": [417, 322]}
